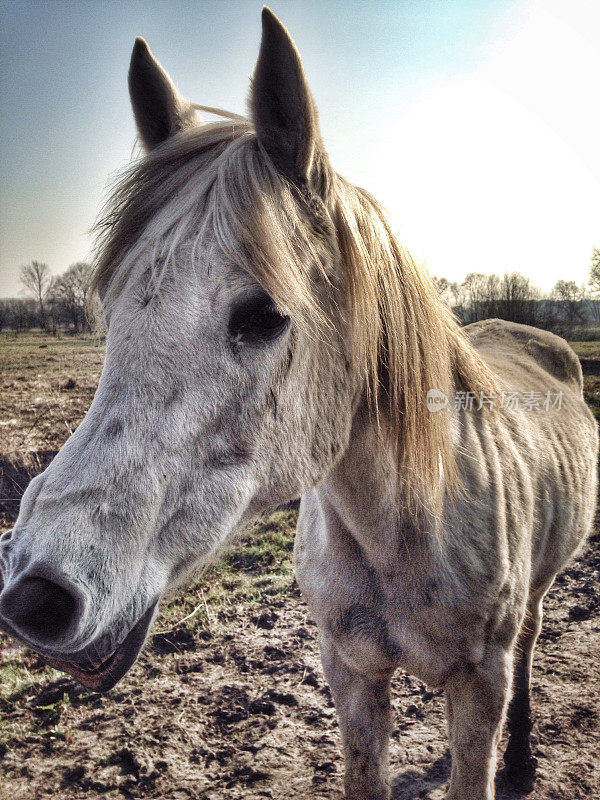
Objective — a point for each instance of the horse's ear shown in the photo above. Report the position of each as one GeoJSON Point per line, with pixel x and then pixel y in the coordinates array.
{"type": "Point", "coordinates": [159, 110]}
{"type": "Point", "coordinates": [281, 105]}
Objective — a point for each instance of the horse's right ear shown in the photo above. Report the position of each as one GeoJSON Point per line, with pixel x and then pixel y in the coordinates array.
{"type": "Point", "coordinates": [159, 110]}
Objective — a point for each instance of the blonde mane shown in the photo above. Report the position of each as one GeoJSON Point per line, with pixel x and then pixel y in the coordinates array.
{"type": "Point", "coordinates": [215, 180]}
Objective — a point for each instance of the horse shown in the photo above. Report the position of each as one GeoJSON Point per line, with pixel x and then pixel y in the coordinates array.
{"type": "Point", "coordinates": [268, 338]}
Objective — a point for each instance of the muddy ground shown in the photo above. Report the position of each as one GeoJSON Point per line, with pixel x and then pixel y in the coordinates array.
{"type": "Point", "coordinates": [231, 704]}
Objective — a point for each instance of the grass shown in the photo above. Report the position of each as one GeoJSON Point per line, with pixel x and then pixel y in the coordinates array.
{"type": "Point", "coordinates": [587, 349]}
{"type": "Point", "coordinates": [46, 386]}
{"type": "Point", "coordinates": [591, 392]}
{"type": "Point", "coordinates": [16, 676]}
{"type": "Point", "coordinates": [590, 351]}
{"type": "Point", "coordinates": [258, 564]}
{"type": "Point", "coordinates": [586, 334]}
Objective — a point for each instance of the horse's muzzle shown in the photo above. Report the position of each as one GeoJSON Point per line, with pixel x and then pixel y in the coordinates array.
{"type": "Point", "coordinates": [45, 614]}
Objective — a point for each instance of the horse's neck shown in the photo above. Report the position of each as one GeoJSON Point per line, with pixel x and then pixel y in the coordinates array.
{"type": "Point", "coordinates": [365, 496]}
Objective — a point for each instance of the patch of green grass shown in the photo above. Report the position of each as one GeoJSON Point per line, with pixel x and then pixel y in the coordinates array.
{"type": "Point", "coordinates": [585, 334]}
{"type": "Point", "coordinates": [17, 676]}
{"type": "Point", "coordinates": [258, 563]}
{"type": "Point", "coordinates": [587, 349]}
{"type": "Point", "coordinates": [13, 678]}
{"type": "Point", "coordinates": [20, 681]}
{"type": "Point", "coordinates": [591, 392]}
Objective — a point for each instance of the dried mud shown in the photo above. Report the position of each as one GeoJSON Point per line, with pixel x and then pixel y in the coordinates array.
{"type": "Point", "coordinates": [239, 709]}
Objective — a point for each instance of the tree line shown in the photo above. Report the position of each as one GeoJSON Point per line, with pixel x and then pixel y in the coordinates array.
{"type": "Point", "coordinates": [569, 309]}
{"type": "Point", "coordinates": [53, 303]}
{"type": "Point", "coordinates": [61, 302]}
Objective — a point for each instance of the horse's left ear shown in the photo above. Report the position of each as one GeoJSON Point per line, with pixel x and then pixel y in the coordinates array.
{"type": "Point", "coordinates": [281, 105]}
{"type": "Point", "coordinates": [159, 110]}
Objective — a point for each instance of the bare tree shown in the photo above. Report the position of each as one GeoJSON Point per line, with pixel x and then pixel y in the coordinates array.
{"type": "Point", "coordinates": [35, 278]}
{"type": "Point", "coordinates": [594, 285]}
{"type": "Point", "coordinates": [594, 282]}
{"type": "Point", "coordinates": [18, 313]}
{"type": "Point", "coordinates": [474, 296]}
{"type": "Point", "coordinates": [517, 299]}
{"type": "Point", "coordinates": [569, 296]}
{"type": "Point", "coordinates": [69, 292]}
{"type": "Point", "coordinates": [448, 291]}
{"type": "Point", "coordinates": [512, 297]}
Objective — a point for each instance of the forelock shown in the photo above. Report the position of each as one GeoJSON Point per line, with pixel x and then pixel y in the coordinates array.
{"type": "Point", "coordinates": [214, 182]}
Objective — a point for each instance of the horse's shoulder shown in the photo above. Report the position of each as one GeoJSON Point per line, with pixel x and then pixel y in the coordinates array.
{"type": "Point", "coordinates": [497, 338]}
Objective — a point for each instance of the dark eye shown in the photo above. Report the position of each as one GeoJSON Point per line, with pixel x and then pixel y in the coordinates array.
{"type": "Point", "coordinates": [256, 320]}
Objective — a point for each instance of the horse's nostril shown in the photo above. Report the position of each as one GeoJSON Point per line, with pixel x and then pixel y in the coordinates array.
{"type": "Point", "coordinates": [39, 608]}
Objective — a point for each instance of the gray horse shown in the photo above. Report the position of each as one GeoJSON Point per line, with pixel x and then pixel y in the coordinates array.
{"type": "Point", "coordinates": [269, 338]}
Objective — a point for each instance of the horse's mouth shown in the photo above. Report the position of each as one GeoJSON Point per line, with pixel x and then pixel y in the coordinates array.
{"type": "Point", "coordinates": [102, 676]}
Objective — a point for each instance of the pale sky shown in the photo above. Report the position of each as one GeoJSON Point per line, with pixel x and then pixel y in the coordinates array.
{"type": "Point", "coordinates": [476, 122]}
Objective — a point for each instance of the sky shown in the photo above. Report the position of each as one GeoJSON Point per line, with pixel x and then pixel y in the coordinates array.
{"type": "Point", "coordinates": [475, 122]}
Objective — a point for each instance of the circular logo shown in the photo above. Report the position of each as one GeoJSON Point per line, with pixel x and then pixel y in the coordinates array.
{"type": "Point", "coordinates": [436, 400]}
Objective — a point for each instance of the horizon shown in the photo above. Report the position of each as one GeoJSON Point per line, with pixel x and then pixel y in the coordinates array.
{"type": "Point", "coordinates": [479, 118]}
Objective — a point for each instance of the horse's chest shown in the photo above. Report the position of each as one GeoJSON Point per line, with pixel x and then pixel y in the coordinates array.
{"type": "Point", "coordinates": [378, 622]}
{"type": "Point", "coordinates": [382, 637]}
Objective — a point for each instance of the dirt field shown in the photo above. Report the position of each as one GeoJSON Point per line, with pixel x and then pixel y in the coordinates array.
{"type": "Point", "coordinates": [230, 703]}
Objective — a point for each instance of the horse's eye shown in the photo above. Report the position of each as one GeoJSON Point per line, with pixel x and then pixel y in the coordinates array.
{"type": "Point", "coordinates": [256, 320]}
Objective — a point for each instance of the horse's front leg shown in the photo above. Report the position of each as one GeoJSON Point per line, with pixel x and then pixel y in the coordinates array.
{"type": "Point", "coordinates": [476, 696]}
{"type": "Point", "coordinates": [363, 705]}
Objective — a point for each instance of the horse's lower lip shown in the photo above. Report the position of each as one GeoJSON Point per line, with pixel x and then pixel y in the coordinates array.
{"type": "Point", "coordinates": [103, 676]}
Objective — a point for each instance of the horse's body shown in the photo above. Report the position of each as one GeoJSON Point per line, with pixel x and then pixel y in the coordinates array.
{"type": "Point", "coordinates": [389, 591]}
{"type": "Point", "coordinates": [267, 338]}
